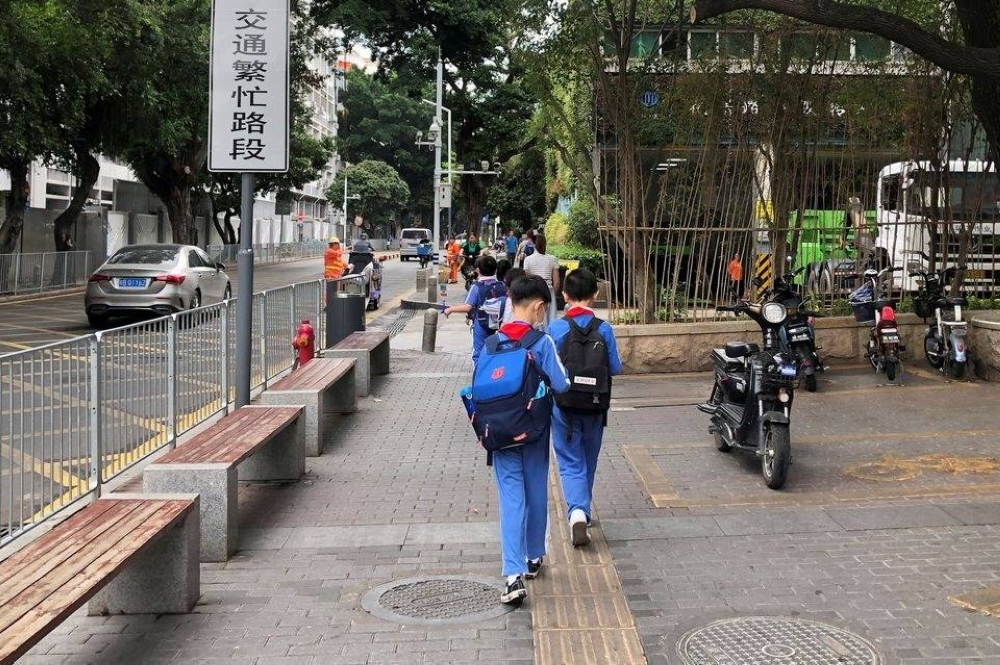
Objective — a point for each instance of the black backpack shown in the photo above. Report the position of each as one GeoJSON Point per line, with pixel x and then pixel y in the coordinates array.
{"type": "Point", "coordinates": [584, 354]}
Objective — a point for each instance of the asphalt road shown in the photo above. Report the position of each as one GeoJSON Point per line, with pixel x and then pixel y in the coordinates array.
{"type": "Point", "coordinates": [55, 318]}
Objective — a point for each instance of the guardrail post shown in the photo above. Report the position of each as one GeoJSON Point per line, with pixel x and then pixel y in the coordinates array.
{"type": "Point", "coordinates": [41, 274]}
{"type": "Point", "coordinates": [65, 270]}
{"type": "Point", "coordinates": [171, 381]}
{"type": "Point", "coordinates": [224, 325]}
{"type": "Point", "coordinates": [320, 317]}
{"type": "Point", "coordinates": [17, 271]}
{"type": "Point", "coordinates": [263, 339]}
{"type": "Point", "coordinates": [95, 415]}
{"type": "Point", "coordinates": [294, 309]}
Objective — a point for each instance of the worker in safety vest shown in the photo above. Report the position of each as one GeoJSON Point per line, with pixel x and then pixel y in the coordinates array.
{"type": "Point", "coordinates": [333, 260]}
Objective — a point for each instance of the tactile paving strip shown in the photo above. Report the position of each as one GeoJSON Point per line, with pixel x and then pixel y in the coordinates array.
{"type": "Point", "coordinates": [770, 640]}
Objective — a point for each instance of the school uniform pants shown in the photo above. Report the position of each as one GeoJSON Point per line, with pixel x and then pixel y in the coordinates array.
{"type": "Point", "coordinates": [522, 486]}
{"type": "Point", "coordinates": [576, 439]}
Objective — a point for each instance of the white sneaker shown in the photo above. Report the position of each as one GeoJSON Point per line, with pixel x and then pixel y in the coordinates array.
{"type": "Point", "coordinates": [578, 527]}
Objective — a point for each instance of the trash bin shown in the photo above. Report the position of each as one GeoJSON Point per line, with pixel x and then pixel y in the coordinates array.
{"type": "Point", "coordinates": [345, 313]}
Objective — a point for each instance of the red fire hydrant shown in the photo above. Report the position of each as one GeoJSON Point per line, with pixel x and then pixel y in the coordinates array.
{"type": "Point", "coordinates": [304, 343]}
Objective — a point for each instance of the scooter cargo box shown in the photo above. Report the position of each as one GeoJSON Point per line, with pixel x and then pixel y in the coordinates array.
{"type": "Point", "coordinates": [724, 362]}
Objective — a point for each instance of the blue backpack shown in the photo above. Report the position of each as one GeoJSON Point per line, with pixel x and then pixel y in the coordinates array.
{"type": "Point", "coordinates": [491, 302]}
{"type": "Point", "coordinates": [508, 402]}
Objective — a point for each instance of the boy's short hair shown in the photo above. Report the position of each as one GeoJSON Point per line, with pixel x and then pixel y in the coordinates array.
{"type": "Point", "coordinates": [513, 275]}
{"type": "Point", "coordinates": [580, 284]}
{"type": "Point", "coordinates": [530, 288]}
{"type": "Point", "coordinates": [486, 265]}
{"type": "Point", "coordinates": [503, 267]}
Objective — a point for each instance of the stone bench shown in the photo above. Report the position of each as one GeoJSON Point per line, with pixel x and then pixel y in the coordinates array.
{"type": "Point", "coordinates": [370, 350]}
{"type": "Point", "coordinates": [325, 387]}
{"type": "Point", "coordinates": [252, 443]}
{"type": "Point", "coordinates": [126, 554]}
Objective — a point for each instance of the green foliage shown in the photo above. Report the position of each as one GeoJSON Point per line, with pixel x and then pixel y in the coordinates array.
{"type": "Point", "coordinates": [582, 222]}
{"type": "Point", "coordinates": [556, 229]}
{"type": "Point", "coordinates": [978, 303]}
{"type": "Point", "coordinates": [590, 259]}
{"type": "Point", "coordinates": [380, 122]}
{"type": "Point", "coordinates": [383, 192]}
{"type": "Point", "coordinates": [519, 198]}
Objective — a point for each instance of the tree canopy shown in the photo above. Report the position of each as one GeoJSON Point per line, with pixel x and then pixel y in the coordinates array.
{"type": "Point", "coordinates": [382, 192]}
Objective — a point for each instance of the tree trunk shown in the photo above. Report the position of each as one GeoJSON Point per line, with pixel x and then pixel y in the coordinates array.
{"type": "Point", "coordinates": [88, 172]}
{"type": "Point", "coordinates": [17, 201]}
{"type": "Point", "coordinates": [178, 203]}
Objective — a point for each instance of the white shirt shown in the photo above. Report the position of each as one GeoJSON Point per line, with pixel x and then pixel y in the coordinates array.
{"type": "Point", "coordinates": [541, 265]}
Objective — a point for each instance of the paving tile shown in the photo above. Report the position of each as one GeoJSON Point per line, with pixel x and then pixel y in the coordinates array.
{"type": "Point", "coordinates": [454, 533]}
{"type": "Point", "coordinates": [665, 527]}
{"type": "Point", "coordinates": [891, 517]}
{"type": "Point", "coordinates": [802, 520]}
{"type": "Point", "coordinates": [973, 513]}
{"type": "Point", "coordinates": [346, 536]}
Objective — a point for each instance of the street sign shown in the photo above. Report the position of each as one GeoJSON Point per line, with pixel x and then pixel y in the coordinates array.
{"type": "Point", "coordinates": [248, 89]}
{"type": "Point", "coordinates": [444, 195]}
{"type": "Point", "coordinates": [650, 99]}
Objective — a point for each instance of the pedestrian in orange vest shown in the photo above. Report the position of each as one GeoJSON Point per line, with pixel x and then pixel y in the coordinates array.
{"type": "Point", "coordinates": [735, 270]}
{"type": "Point", "coordinates": [333, 260]}
{"type": "Point", "coordinates": [454, 255]}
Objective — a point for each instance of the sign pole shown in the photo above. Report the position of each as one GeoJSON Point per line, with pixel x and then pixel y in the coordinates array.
{"type": "Point", "coordinates": [244, 295]}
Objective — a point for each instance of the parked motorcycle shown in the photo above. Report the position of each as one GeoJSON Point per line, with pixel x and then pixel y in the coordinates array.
{"type": "Point", "coordinates": [944, 341]}
{"type": "Point", "coordinates": [798, 333]}
{"type": "Point", "coordinates": [751, 398]}
{"type": "Point", "coordinates": [871, 304]}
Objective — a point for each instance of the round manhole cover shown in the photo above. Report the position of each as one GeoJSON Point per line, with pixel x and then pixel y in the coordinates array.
{"type": "Point", "coordinates": [435, 600]}
{"type": "Point", "coordinates": [771, 640]}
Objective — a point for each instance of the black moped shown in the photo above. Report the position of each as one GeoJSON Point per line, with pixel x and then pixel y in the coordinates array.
{"type": "Point", "coordinates": [751, 400]}
{"type": "Point", "coordinates": [798, 334]}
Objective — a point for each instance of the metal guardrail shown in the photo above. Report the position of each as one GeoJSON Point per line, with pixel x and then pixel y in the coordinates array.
{"type": "Point", "coordinates": [75, 414]}
{"type": "Point", "coordinates": [41, 272]}
{"type": "Point", "coordinates": [276, 253]}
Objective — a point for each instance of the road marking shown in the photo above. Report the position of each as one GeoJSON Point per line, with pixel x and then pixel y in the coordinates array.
{"type": "Point", "coordinates": [653, 480]}
{"type": "Point", "coordinates": [47, 469]}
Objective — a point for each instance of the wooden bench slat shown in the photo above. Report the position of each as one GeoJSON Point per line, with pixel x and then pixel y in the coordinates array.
{"type": "Point", "coordinates": [52, 609]}
{"type": "Point", "coordinates": [48, 543]}
{"type": "Point", "coordinates": [234, 437]}
{"type": "Point", "coordinates": [39, 559]}
{"type": "Point", "coordinates": [318, 374]}
{"type": "Point", "coordinates": [363, 340]}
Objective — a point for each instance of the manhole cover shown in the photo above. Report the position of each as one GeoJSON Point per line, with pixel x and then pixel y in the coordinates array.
{"type": "Point", "coordinates": [435, 600]}
{"type": "Point", "coordinates": [770, 640]}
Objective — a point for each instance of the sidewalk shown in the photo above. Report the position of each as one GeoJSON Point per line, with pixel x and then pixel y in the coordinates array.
{"type": "Point", "coordinates": [692, 554]}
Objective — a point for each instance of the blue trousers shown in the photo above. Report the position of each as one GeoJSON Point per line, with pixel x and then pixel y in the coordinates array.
{"type": "Point", "coordinates": [522, 486]}
{"type": "Point", "coordinates": [576, 439]}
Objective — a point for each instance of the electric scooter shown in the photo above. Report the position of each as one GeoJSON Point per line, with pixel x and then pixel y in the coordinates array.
{"type": "Point", "coordinates": [871, 304]}
{"type": "Point", "coordinates": [751, 400]}
{"type": "Point", "coordinates": [944, 341]}
{"type": "Point", "coordinates": [798, 333]}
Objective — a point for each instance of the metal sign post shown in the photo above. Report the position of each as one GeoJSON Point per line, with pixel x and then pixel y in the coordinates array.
{"type": "Point", "coordinates": [248, 128]}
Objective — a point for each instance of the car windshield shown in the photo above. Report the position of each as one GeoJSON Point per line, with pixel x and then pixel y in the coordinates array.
{"type": "Point", "coordinates": [161, 257]}
{"type": "Point", "coordinates": [414, 234]}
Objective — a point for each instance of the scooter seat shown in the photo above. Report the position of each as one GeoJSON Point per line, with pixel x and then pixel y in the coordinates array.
{"type": "Point", "coordinates": [726, 363]}
{"type": "Point", "coordinates": [951, 302]}
{"type": "Point", "coordinates": [741, 349]}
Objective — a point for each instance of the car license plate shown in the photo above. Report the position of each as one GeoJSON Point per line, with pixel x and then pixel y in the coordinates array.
{"type": "Point", "coordinates": [132, 282]}
{"type": "Point", "coordinates": [804, 337]}
{"type": "Point", "coordinates": [788, 370]}
{"type": "Point", "coordinates": [890, 339]}
{"type": "Point", "coordinates": [974, 274]}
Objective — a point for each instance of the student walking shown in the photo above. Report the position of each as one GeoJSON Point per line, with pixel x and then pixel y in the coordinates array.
{"type": "Point", "coordinates": [485, 304]}
{"type": "Point", "coordinates": [589, 352]}
{"type": "Point", "coordinates": [510, 406]}
{"type": "Point", "coordinates": [545, 266]}
{"type": "Point", "coordinates": [511, 246]}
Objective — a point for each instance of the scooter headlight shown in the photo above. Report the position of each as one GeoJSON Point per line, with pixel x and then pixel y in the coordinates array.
{"type": "Point", "coordinates": [774, 312]}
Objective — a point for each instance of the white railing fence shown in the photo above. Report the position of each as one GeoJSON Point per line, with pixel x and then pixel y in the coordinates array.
{"type": "Point", "coordinates": [43, 271]}
{"type": "Point", "coordinates": [75, 414]}
{"type": "Point", "coordinates": [275, 253]}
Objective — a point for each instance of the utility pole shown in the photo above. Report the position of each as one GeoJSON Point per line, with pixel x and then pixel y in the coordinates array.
{"type": "Point", "coordinates": [437, 158]}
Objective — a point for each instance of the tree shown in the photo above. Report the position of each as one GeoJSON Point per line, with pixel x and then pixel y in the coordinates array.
{"type": "Point", "coordinates": [977, 55]}
{"type": "Point", "coordinates": [380, 123]}
{"type": "Point", "coordinates": [519, 198]}
{"type": "Point", "coordinates": [382, 192]}
{"type": "Point", "coordinates": [50, 69]}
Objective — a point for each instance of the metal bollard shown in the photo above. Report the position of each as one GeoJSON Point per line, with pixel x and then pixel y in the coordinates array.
{"type": "Point", "coordinates": [430, 330]}
{"type": "Point", "coordinates": [432, 289]}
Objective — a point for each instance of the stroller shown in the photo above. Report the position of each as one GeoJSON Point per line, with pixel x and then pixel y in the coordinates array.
{"type": "Point", "coordinates": [368, 266]}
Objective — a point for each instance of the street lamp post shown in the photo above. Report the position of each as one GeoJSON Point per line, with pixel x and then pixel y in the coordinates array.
{"type": "Point", "coordinates": [347, 198]}
{"type": "Point", "coordinates": [450, 156]}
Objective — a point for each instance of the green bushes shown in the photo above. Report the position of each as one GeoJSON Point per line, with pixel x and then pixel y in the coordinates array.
{"type": "Point", "coordinates": [582, 222]}
{"type": "Point", "coordinates": [591, 259]}
{"type": "Point", "coordinates": [556, 229]}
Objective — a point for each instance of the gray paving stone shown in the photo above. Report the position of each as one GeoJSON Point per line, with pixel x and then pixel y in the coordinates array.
{"type": "Point", "coordinates": [346, 536]}
{"type": "Point", "coordinates": [666, 527]}
{"type": "Point", "coordinates": [802, 520]}
{"type": "Point", "coordinates": [891, 517]}
{"type": "Point", "coordinates": [453, 533]}
{"type": "Point", "coordinates": [974, 513]}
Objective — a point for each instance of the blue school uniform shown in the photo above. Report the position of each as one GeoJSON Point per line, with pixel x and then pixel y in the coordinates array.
{"type": "Point", "coordinates": [479, 332]}
{"type": "Point", "coordinates": [522, 472]}
{"type": "Point", "coordinates": [577, 437]}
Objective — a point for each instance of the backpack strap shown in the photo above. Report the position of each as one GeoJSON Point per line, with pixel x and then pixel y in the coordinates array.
{"type": "Point", "coordinates": [591, 326]}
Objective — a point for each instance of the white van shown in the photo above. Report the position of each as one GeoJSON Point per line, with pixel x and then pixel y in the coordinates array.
{"type": "Point", "coordinates": [409, 240]}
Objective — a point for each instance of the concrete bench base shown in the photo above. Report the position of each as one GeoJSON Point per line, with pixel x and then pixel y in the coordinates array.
{"type": "Point", "coordinates": [320, 406]}
{"type": "Point", "coordinates": [369, 360]}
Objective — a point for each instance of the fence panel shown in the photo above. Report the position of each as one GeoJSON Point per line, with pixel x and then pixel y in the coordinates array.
{"type": "Point", "coordinates": [279, 310]}
{"type": "Point", "coordinates": [39, 272]}
{"type": "Point", "coordinates": [201, 339]}
{"type": "Point", "coordinates": [44, 433]}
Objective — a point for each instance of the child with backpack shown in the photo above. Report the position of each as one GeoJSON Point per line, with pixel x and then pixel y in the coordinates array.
{"type": "Point", "coordinates": [485, 304]}
{"type": "Point", "coordinates": [510, 405]}
{"type": "Point", "coordinates": [588, 350]}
